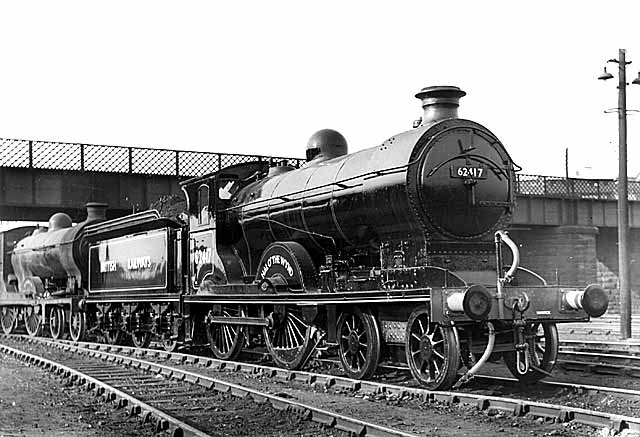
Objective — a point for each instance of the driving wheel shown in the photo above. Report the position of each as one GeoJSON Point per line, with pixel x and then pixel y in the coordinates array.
{"type": "Point", "coordinates": [226, 339]}
{"type": "Point", "coordinates": [8, 319]}
{"type": "Point", "coordinates": [57, 323]}
{"type": "Point", "coordinates": [33, 320]}
{"type": "Point", "coordinates": [289, 339]}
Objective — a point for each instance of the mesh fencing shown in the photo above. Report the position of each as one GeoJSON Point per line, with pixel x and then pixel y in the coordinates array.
{"type": "Point", "coordinates": [573, 188]}
{"type": "Point", "coordinates": [49, 155]}
{"type": "Point", "coordinates": [117, 159]}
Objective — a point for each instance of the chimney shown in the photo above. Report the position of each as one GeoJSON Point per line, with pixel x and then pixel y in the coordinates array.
{"type": "Point", "coordinates": [96, 211]}
{"type": "Point", "coordinates": [439, 103]}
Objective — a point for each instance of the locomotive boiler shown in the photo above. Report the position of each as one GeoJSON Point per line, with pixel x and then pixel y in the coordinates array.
{"type": "Point", "coordinates": [393, 253]}
{"type": "Point", "coordinates": [448, 180]}
{"type": "Point", "coordinates": [53, 260]}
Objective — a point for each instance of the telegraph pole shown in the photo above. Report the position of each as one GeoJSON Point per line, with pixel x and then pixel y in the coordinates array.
{"type": "Point", "coordinates": [623, 202]}
{"type": "Point", "coordinates": [624, 279]}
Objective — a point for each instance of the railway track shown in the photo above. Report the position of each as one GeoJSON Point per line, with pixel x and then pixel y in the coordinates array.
{"type": "Point", "coordinates": [191, 368]}
{"type": "Point", "coordinates": [595, 357]}
{"type": "Point", "coordinates": [170, 398]}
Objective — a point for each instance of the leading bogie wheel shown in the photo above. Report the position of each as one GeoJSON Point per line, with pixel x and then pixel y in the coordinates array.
{"type": "Point", "coordinates": [57, 323]}
{"type": "Point", "coordinates": [77, 325]}
{"type": "Point", "coordinates": [289, 339]}
{"type": "Point", "coordinates": [432, 351]}
{"type": "Point", "coordinates": [33, 320]}
{"type": "Point", "coordinates": [8, 319]}
{"type": "Point", "coordinates": [226, 340]}
{"type": "Point", "coordinates": [542, 339]}
{"type": "Point", "coordinates": [359, 343]}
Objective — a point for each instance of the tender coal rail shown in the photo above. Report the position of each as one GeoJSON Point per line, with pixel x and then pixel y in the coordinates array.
{"type": "Point", "coordinates": [516, 407]}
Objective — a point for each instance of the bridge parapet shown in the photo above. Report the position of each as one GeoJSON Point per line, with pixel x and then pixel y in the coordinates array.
{"type": "Point", "coordinates": [49, 155]}
{"type": "Point", "coordinates": [42, 177]}
{"type": "Point", "coordinates": [573, 188]}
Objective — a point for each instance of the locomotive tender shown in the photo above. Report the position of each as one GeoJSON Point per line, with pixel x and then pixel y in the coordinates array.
{"type": "Point", "coordinates": [396, 252]}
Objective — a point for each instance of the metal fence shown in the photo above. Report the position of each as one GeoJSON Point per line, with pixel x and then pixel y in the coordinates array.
{"type": "Point", "coordinates": [117, 159]}
{"type": "Point", "coordinates": [572, 188]}
{"type": "Point", "coordinates": [48, 155]}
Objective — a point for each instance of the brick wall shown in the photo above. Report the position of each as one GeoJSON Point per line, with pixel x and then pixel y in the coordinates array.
{"type": "Point", "coordinates": [560, 254]}
{"type": "Point", "coordinates": [580, 255]}
{"type": "Point", "coordinates": [607, 251]}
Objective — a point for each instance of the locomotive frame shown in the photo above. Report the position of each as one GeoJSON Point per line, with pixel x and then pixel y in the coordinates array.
{"type": "Point", "coordinates": [392, 253]}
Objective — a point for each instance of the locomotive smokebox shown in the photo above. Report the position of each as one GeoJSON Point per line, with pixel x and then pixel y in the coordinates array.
{"type": "Point", "coordinates": [439, 102]}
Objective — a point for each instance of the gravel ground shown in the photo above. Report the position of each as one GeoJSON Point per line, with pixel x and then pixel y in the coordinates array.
{"type": "Point", "coordinates": [414, 416]}
{"type": "Point", "coordinates": [603, 402]}
{"type": "Point", "coordinates": [28, 391]}
{"type": "Point", "coordinates": [34, 403]}
{"type": "Point", "coordinates": [610, 403]}
{"type": "Point", "coordinates": [410, 415]}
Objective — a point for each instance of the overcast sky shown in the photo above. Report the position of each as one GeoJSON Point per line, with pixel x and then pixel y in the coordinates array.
{"type": "Point", "coordinates": [261, 77]}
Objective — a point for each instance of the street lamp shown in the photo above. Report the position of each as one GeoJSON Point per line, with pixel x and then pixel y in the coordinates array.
{"type": "Point", "coordinates": [623, 199]}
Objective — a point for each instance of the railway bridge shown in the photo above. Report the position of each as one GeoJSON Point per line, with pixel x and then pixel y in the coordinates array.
{"type": "Point", "coordinates": [567, 227]}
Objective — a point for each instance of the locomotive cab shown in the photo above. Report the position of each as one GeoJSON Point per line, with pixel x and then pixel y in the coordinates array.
{"type": "Point", "coordinates": [214, 257]}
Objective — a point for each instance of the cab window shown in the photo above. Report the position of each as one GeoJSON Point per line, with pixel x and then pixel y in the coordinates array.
{"type": "Point", "coordinates": [203, 204]}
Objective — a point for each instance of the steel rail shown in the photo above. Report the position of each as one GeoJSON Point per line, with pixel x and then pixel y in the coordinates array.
{"type": "Point", "coordinates": [509, 380]}
{"type": "Point", "coordinates": [586, 388]}
{"type": "Point", "coordinates": [628, 344]}
{"type": "Point", "coordinates": [516, 407]}
{"type": "Point", "coordinates": [162, 420]}
{"type": "Point", "coordinates": [600, 362]}
{"type": "Point", "coordinates": [324, 417]}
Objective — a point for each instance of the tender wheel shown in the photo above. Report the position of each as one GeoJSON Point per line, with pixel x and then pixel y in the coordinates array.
{"type": "Point", "coordinates": [113, 325]}
{"type": "Point", "coordinates": [289, 340]}
{"type": "Point", "coordinates": [113, 336]}
{"type": "Point", "coordinates": [169, 345]}
{"type": "Point", "coordinates": [167, 331]}
{"type": "Point", "coordinates": [359, 343]}
{"type": "Point", "coordinates": [141, 325]}
{"type": "Point", "coordinates": [141, 339]}
{"type": "Point", "coordinates": [543, 346]}
{"type": "Point", "coordinates": [432, 351]}
{"type": "Point", "coordinates": [77, 325]}
{"type": "Point", "coordinates": [226, 340]}
{"type": "Point", "coordinates": [57, 323]}
{"type": "Point", "coordinates": [33, 320]}
{"type": "Point", "coordinates": [8, 319]}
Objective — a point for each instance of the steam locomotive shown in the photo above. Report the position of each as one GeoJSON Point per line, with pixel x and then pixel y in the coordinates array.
{"type": "Point", "coordinates": [397, 253]}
